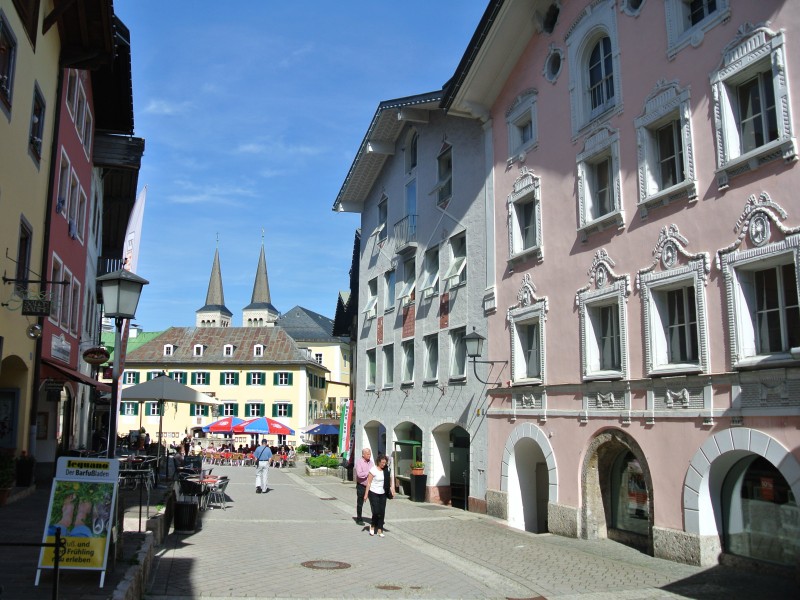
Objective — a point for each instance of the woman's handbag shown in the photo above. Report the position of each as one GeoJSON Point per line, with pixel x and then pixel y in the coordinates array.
{"type": "Point", "coordinates": [387, 483]}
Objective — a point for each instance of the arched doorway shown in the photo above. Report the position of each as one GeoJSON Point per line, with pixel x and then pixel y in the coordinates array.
{"type": "Point", "coordinates": [529, 477]}
{"type": "Point", "coordinates": [374, 438]}
{"type": "Point", "coordinates": [617, 491]}
{"type": "Point", "coordinates": [740, 497]}
{"type": "Point", "coordinates": [450, 465]}
{"type": "Point", "coordinates": [760, 515]}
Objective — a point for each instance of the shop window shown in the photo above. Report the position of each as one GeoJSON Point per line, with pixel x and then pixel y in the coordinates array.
{"type": "Point", "coordinates": [630, 499]}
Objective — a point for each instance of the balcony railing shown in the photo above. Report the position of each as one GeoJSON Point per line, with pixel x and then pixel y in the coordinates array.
{"type": "Point", "coordinates": [405, 233]}
{"type": "Point", "coordinates": [108, 265]}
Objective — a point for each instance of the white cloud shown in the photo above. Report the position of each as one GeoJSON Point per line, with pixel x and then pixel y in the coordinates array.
{"type": "Point", "coordinates": [164, 107]}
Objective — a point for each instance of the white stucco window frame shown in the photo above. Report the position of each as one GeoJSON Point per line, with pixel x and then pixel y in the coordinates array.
{"type": "Point", "coordinates": [679, 36]}
{"type": "Point", "coordinates": [527, 189]}
{"type": "Point", "coordinates": [760, 215]}
{"type": "Point", "coordinates": [522, 112]}
{"type": "Point", "coordinates": [665, 104]}
{"type": "Point", "coordinates": [598, 19]}
{"type": "Point", "coordinates": [528, 310]}
{"type": "Point", "coordinates": [679, 269]}
{"type": "Point", "coordinates": [754, 50]}
{"type": "Point", "coordinates": [605, 288]}
{"type": "Point", "coordinates": [602, 143]}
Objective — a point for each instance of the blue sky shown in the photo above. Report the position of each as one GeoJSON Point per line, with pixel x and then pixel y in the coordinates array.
{"type": "Point", "coordinates": [252, 112]}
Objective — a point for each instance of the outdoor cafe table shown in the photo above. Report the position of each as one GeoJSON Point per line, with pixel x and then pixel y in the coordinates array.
{"type": "Point", "coordinates": [205, 482]}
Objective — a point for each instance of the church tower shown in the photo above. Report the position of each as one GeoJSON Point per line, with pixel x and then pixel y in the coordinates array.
{"type": "Point", "coordinates": [214, 313]}
{"type": "Point", "coordinates": [260, 312]}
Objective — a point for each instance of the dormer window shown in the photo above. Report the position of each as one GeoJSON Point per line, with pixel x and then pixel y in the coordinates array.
{"type": "Point", "coordinates": [169, 349]}
{"type": "Point", "coordinates": [258, 350]}
{"type": "Point", "coordinates": [198, 350]}
{"type": "Point", "coordinates": [227, 350]}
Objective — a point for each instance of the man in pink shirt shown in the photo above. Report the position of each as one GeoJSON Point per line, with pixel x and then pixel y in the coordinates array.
{"type": "Point", "coordinates": [362, 472]}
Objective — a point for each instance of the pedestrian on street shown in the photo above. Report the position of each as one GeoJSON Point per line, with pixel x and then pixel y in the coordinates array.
{"type": "Point", "coordinates": [362, 472]}
{"type": "Point", "coordinates": [263, 456]}
{"type": "Point", "coordinates": [378, 490]}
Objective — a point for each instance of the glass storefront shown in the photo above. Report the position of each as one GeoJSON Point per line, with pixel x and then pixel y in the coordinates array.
{"type": "Point", "coordinates": [761, 516]}
{"type": "Point", "coordinates": [630, 498]}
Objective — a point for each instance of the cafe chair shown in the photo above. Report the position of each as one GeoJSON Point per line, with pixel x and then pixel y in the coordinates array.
{"type": "Point", "coordinates": [217, 494]}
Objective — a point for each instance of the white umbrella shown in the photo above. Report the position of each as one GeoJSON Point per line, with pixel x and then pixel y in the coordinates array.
{"type": "Point", "coordinates": [165, 389]}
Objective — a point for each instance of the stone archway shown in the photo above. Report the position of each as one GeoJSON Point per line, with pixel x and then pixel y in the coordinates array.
{"type": "Point", "coordinates": [529, 478]}
{"type": "Point", "coordinates": [596, 519]}
{"type": "Point", "coordinates": [702, 487]}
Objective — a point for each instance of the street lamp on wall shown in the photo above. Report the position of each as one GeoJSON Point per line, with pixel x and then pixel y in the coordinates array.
{"type": "Point", "coordinates": [121, 292]}
{"type": "Point", "coordinates": [474, 342]}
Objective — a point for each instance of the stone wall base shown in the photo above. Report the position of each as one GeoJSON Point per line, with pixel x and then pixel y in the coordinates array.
{"type": "Point", "coordinates": [497, 504]}
{"type": "Point", "coordinates": [562, 520]}
{"type": "Point", "coordinates": [687, 548]}
{"type": "Point", "coordinates": [476, 505]}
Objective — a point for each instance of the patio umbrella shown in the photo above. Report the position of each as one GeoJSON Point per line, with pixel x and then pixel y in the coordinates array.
{"type": "Point", "coordinates": [225, 425]}
{"type": "Point", "coordinates": [263, 425]}
{"type": "Point", "coordinates": [165, 389]}
{"type": "Point", "coordinates": [323, 429]}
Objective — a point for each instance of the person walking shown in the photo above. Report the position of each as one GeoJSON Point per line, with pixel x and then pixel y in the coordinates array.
{"type": "Point", "coordinates": [263, 456]}
{"type": "Point", "coordinates": [378, 489]}
{"type": "Point", "coordinates": [362, 472]}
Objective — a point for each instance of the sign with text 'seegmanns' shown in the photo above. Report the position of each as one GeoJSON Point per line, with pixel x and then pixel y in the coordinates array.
{"type": "Point", "coordinates": [82, 502]}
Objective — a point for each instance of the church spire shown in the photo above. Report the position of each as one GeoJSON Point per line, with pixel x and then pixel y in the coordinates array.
{"type": "Point", "coordinates": [214, 313]}
{"type": "Point", "coordinates": [260, 311]}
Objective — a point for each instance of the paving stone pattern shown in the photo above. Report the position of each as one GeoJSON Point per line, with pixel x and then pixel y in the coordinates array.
{"type": "Point", "coordinates": [256, 549]}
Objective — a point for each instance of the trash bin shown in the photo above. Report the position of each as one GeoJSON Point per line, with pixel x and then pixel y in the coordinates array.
{"type": "Point", "coordinates": [185, 517]}
{"type": "Point", "coordinates": [419, 484]}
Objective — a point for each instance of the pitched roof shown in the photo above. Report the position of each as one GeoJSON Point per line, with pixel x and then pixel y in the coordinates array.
{"type": "Point", "coordinates": [279, 347]}
{"type": "Point", "coordinates": [143, 337]}
{"type": "Point", "coordinates": [306, 325]}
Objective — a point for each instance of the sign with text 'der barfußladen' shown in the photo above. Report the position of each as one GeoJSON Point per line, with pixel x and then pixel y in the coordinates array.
{"type": "Point", "coordinates": [81, 505]}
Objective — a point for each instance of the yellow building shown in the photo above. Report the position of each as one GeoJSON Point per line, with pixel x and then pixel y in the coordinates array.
{"type": "Point", "coordinates": [253, 371]}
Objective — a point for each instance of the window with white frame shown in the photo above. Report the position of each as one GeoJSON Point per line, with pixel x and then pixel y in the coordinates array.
{"type": "Point", "coordinates": [227, 350]}
{"type": "Point", "coordinates": [75, 307]}
{"type": "Point", "coordinates": [229, 378]}
{"type": "Point", "coordinates": [258, 350]}
{"type": "Point", "coordinates": [130, 378]}
{"type": "Point", "coordinates": [524, 216]}
{"type": "Point", "coordinates": [761, 285]}
{"type": "Point", "coordinates": [458, 353]}
{"type": "Point", "coordinates": [371, 369]}
{"type": "Point", "coordinates": [56, 290]}
{"type": "Point", "coordinates": [389, 290]}
{"type": "Point", "coordinates": [154, 374]}
{"type": "Point", "coordinates": [8, 59]}
{"type": "Point", "coordinates": [282, 378]}
{"type": "Point", "coordinates": [179, 376]}
{"type": "Point", "coordinates": [80, 216]}
{"type": "Point", "coordinates": [168, 349]}
{"type": "Point", "coordinates": [201, 378]}
{"type": "Point", "coordinates": [603, 322]}
{"type": "Point", "coordinates": [129, 409]}
{"type": "Point", "coordinates": [255, 409]}
{"type": "Point", "coordinates": [198, 350]}
{"type": "Point", "coordinates": [282, 409]}
{"type": "Point", "coordinates": [318, 357]}
{"type": "Point", "coordinates": [151, 409]}
{"type": "Point", "coordinates": [66, 304]}
{"type": "Point", "coordinates": [388, 365]}
{"type": "Point", "coordinates": [527, 328]}
{"type": "Point", "coordinates": [599, 195]}
{"type": "Point", "coordinates": [457, 272]}
{"type": "Point", "coordinates": [36, 132]}
{"type": "Point", "coordinates": [229, 409]}
{"type": "Point", "coordinates": [664, 135]}
{"type": "Point", "coordinates": [521, 124]}
{"type": "Point", "coordinates": [688, 20]}
{"type": "Point", "coordinates": [751, 104]}
{"type": "Point", "coordinates": [444, 187]}
{"type": "Point", "coordinates": [370, 308]}
{"type": "Point", "coordinates": [430, 278]}
{"type": "Point", "coordinates": [408, 292]}
{"type": "Point", "coordinates": [63, 185]}
{"type": "Point", "coordinates": [72, 90]}
{"type": "Point", "coordinates": [431, 357]}
{"type": "Point", "coordinates": [673, 303]}
{"type": "Point", "coordinates": [383, 214]}
{"type": "Point", "coordinates": [592, 49]}
{"type": "Point", "coordinates": [408, 361]}
{"type": "Point", "coordinates": [256, 378]}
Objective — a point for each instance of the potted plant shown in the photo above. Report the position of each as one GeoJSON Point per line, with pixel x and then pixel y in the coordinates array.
{"type": "Point", "coordinates": [6, 476]}
{"type": "Point", "coordinates": [26, 466]}
{"type": "Point", "coordinates": [417, 467]}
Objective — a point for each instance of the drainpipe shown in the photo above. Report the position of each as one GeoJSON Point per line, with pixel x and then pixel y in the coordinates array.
{"type": "Point", "coordinates": [37, 364]}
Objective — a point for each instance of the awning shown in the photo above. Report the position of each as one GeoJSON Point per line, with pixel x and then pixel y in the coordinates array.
{"type": "Point", "coordinates": [76, 375]}
{"type": "Point", "coordinates": [323, 430]}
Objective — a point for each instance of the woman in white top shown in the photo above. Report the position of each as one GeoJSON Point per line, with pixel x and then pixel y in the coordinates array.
{"type": "Point", "coordinates": [376, 492]}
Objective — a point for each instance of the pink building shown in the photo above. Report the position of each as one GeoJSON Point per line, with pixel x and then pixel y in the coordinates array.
{"type": "Point", "coordinates": [646, 271]}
